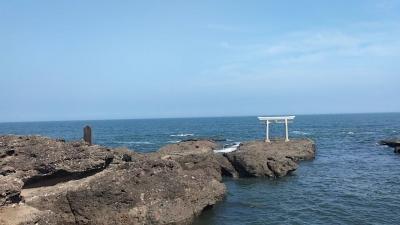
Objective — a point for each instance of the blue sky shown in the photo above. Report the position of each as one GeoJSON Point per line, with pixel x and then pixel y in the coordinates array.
{"type": "Point", "coordinates": [69, 60]}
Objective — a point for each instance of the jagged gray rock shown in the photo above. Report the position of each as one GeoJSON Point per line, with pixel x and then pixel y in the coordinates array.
{"type": "Point", "coordinates": [33, 158]}
{"type": "Point", "coordinates": [73, 183]}
{"type": "Point", "coordinates": [46, 181]}
{"type": "Point", "coordinates": [148, 191]}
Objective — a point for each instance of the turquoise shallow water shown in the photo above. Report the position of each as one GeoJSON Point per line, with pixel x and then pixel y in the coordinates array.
{"type": "Point", "coordinates": [352, 180]}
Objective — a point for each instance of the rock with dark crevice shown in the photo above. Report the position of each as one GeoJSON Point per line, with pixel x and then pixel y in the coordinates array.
{"type": "Point", "coordinates": [35, 157]}
{"type": "Point", "coordinates": [10, 190]}
{"type": "Point", "coordinates": [149, 191]}
{"type": "Point", "coordinates": [227, 169]}
{"type": "Point", "coordinates": [6, 170]}
{"type": "Point", "coordinates": [58, 182]}
{"type": "Point", "coordinates": [80, 184]}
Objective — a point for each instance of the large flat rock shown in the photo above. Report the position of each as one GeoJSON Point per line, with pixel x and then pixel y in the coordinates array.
{"type": "Point", "coordinates": [46, 181]}
{"type": "Point", "coordinates": [148, 191]}
{"type": "Point", "coordinates": [31, 158]}
{"type": "Point", "coordinates": [274, 159]}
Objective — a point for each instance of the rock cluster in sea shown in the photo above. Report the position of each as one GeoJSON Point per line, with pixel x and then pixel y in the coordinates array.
{"type": "Point", "coordinates": [47, 181]}
{"type": "Point", "coordinates": [393, 143]}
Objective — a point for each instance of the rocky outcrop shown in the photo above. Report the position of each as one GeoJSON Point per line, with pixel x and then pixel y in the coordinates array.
{"type": "Point", "coordinates": [252, 159]}
{"type": "Point", "coordinates": [199, 154]}
{"type": "Point", "coordinates": [148, 191]}
{"type": "Point", "coordinates": [56, 182]}
{"type": "Point", "coordinates": [35, 159]}
{"type": "Point", "coordinates": [274, 159]}
{"type": "Point", "coordinates": [394, 143]}
{"type": "Point", "coordinates": [46, 181]}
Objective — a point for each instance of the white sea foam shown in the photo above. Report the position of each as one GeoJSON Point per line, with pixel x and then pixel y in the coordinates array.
{"type": "Point", "coordinates": [350, 133]}
{"type": "Point", "coordinates": [181, 135]}
{"type": "Point", "coordinates": [231, 148]}
{"type": "Point", "coordinates": [173, 142]}
{"type": "Point", "coordinates": [299, 132]}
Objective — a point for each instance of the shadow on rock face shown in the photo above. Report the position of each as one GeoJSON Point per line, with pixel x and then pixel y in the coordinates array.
{"type": "Point", "coordinates": [58, 182]}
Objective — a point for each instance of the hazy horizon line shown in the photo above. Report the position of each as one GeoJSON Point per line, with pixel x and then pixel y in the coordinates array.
{"type": "Point", "coordinates": [195, 117]}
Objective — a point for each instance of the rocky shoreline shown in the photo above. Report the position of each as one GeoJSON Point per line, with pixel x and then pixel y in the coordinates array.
{"type": "Point", "coordinates": [47, 181]}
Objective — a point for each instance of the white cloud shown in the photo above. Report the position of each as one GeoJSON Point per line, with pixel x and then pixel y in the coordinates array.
{"type": "Point", "coordinates": [311, 58]}
{"type": "Point", "coordinates": [316, 46]}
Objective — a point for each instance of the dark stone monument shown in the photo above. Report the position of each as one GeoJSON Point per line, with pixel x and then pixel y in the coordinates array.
{"type": "Point", "coordinates": [87, 134]}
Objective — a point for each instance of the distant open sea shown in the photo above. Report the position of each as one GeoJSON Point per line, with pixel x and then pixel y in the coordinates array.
{"type": "Point", "coordinates": [352, 180]}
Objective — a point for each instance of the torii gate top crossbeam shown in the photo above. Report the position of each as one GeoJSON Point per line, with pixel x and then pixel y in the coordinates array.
{"type": "Point", "coordinates": [275, 118]}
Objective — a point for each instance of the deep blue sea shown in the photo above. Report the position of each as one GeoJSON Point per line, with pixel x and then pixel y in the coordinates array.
{"type": "Point", "coordinates": [352, 180]}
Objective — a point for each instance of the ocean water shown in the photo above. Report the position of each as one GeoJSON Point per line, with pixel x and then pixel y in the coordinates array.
{"type": "Point", "coordinates": [352, 180]}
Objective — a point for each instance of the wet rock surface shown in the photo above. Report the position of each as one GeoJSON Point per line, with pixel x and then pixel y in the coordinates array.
{"type": "Point", "coordinates": [274, 159]}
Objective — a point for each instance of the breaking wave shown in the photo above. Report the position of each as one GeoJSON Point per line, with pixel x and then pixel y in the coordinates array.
{"type": "Point", "coordinates": [181, 135]}
{"type": "Point", "coordinates": [299, 132]}
{"type": "Point", "coordinates": [229, 148]}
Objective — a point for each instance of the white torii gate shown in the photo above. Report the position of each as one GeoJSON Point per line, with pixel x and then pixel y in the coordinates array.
{"type": "Point", "coordinates": [276, 119]}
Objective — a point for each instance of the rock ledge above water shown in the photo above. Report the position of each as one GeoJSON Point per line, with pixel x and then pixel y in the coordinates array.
{"type": "Point", "coordinates": [274, 159]}
{"type": "Point", "coordinates": [393, 143]}
{"type": "Point", "coordinates": [47, 181]}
